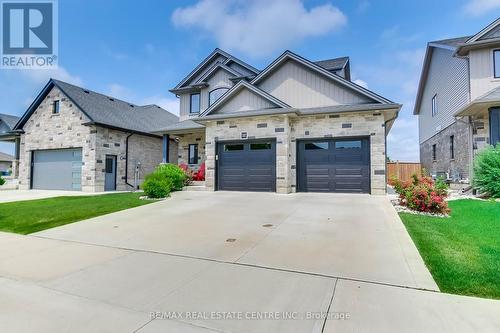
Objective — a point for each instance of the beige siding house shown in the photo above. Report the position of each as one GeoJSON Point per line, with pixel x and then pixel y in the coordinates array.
{"type": "Point", "coordinates": [458, 102]}
{"type": "Point", "coordinates": [297, 125]}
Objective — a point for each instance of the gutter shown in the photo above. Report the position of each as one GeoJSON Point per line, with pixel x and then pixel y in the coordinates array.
{"type": "Point", "coordinates": [126, 161]}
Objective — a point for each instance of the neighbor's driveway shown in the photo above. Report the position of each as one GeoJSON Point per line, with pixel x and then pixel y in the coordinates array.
{"type": "Point", "coordinates": [21, 195]}
{"type": "Point", "coordinates": [293, 255]}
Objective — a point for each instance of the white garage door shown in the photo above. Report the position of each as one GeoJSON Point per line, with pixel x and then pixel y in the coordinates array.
{"type": "Point", "coordinates": [57, 169]}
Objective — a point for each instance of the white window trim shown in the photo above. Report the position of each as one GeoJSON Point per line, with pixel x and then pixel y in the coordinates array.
{"type": "Point", "coordinates": [434, 106]}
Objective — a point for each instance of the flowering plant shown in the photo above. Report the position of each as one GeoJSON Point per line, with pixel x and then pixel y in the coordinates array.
{"type": "Point", "coordinates": [422, 194]}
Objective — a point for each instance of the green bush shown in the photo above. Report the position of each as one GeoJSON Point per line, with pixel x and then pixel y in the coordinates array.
{"type": "Point", "coordinates": [487, 171]}
{"type": "Point", "coordinates": [157, 186]}
{"type": "Point", "coordinates": [174, 173]}
{"type": "Point", "coordinates": [2, 181]}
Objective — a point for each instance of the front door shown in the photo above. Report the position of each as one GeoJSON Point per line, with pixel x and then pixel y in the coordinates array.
{"type": "Point", "coordinates": [110, 178]}
{"type": "Point", "coordinates": [494, 126]}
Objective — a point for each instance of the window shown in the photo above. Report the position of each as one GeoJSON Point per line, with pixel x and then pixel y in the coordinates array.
{"type": "Point", "coordinates": [348, 144]}
{"type": "Point", "coordinates": [193, 154]}
{"type": "Point", "coordinates": [194, 105]}
{"type": "Point", "coordinates": [434, 105]}
{"type": "Point", "coordinates": [316, 145]}
{"type": "Point", "coordinates": [215, 94]}
{"type": "Point", "coordinates": [233, 147]}
{"type": "Point", "coordinates": [260, 146]}
{"type": "Point", "coordinates": [452, 147]}
{"type": "Point", "coordinates": [496, 64]}
{"type": "Point", "coordinates": [55, 107]}
{"type": "Point", "coordinates": [433, 152]}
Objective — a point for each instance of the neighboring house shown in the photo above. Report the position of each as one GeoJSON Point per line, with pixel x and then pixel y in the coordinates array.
{"type": "Point", "coordinates": [5, 163]}
{"type": "Point", "coordinates": [458, 102]}
{"type": "Point", "coordinates": [297, 125]}
{"type": "Point", "coordinates": [72, 138]}
{"type": "Point", "coordinates": [7, 134]}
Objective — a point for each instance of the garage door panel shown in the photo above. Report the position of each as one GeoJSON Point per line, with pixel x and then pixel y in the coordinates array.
{"type": "Point", "coordinates": [342, 165]}
{"type": "Point", "coordinates": [247, 166]}
{"type": "Point", "coordinates": [58, 169]}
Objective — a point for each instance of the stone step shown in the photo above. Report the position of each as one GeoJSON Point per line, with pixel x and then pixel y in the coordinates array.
{"type": "Point", "coordinates": [195, 188]}
{"type": "Point", "coordinates": [197, 183]}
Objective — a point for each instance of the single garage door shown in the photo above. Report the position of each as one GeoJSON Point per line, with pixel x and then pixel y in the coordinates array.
{"type": "Point", "coordinates": [247, 166]}
{"type": "Point", "coordinates": [58, 169]}
{"type": "Point", "coordinates": [334, 165]}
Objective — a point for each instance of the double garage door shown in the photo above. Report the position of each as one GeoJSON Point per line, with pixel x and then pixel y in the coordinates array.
{"type": "Point", "coordinates": [325, 165]}
{"type": "Point", "coordinates": [57, 169]}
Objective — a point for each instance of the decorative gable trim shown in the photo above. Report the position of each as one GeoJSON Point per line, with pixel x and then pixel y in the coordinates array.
{"type": "Point", "coordinates": [207, 60]}
{"type": "Point", "coordinates": [235, 89]}
{"type": "Point", "coordinates": [214, 69]}
{"type": "Point", "coordinates": [483, 32]}
{"type": "Point", "coordinates": [287, 55]}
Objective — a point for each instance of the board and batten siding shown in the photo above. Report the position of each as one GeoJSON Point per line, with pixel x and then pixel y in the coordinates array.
{"type": "Point", "coordinates": [481, 72]}
{"type": "Point", "coordinates": [300, 87]}
{"type": "Point", "coordinates": [219, 79]}
{"type": "Point", "coordinates": [448, 77]}
{"type": "Point", "coordinates": [243, 101]}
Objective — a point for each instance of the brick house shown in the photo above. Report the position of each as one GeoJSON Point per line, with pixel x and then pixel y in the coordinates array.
{"type": "Point", "coordinates": [72, 138]}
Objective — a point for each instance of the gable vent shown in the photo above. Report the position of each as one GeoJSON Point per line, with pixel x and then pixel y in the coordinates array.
{"type": "Point", "coordinates": [131, 105]}
{"type": "Point", "coordinates": [86, 91]}
{"type": "Point", "coordinates": [112, 99]}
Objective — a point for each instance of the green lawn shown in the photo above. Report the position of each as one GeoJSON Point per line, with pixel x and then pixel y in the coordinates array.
{"type": "Point", "coordinates": [25, 217]}
{"type": "Point", "coordinates": [462, 252]}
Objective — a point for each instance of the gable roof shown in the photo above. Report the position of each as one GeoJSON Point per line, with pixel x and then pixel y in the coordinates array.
{"type": "Point", "coordinates": [9, 120]}
{"type": "Point", "coordinates": [287, 55]}
{"type": "Point", "coordinates": [214, 69]}
{"type": "Point", "coordinates": [484, 31]}
{"type": "Point", "coordinates": [215, 53]}
{"type": "Point", "coordinates": [487, 36]}
{"type": "Point", "coordinates": [235, 89]}
{"type": "Point", "coordinates": [449, 43]}
{"type": "Point", "coordinates": [105, 110]}
{"type": "Point", "coordinates": [333, 64]}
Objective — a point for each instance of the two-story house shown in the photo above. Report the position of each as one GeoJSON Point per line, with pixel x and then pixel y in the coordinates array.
{"type": "Point", "coordinates": [296, 125]}
{"type": "Point", "coordinates": [458, 102]}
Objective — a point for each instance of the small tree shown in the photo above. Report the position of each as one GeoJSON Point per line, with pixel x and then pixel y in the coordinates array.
{"type": "Point", "coordinates": [487, 171]}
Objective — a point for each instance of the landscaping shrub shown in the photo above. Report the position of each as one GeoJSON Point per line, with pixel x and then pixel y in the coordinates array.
{"type": "Point", "coordinates": [188, 172]}
{"type": "Point", "coordinates": [487, 171]}
{"type": "Point", "coordinates": [422, 194]}
{"type": "Point", "coordinates": [174, 173]}
{"type": "Point", "coordinates": [2, 181]}
{"type": "Point", "coordinates": [157, 186]}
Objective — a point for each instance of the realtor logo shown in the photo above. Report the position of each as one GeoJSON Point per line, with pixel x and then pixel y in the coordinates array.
{"type": "Point", "coordinates": [29, 34]}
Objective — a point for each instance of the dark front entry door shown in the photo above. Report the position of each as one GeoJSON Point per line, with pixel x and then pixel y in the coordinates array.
{"type": "Point", "coordinates": [334, 165]}
{"type": "Point", "coordinates": [247, 166]}
{"type": "Point", "coordinates": [110, 177]}
{"type": "Point", "coordinates": [494, 126]}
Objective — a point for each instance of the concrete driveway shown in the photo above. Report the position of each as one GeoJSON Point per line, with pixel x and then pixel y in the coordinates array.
{"type": "Point", "coordinates": [217, 262]}
{"type": "Point", "coordinates": [21, 195]}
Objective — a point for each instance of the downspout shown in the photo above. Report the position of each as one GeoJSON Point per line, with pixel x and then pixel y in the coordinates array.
{"type": "Point", "coordinates": [126, 161]}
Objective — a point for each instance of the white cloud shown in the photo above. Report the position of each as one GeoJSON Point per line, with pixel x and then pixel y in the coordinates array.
{"type": "Point", "coordinates": [169, 104]}
{"type": "Point", "coordinates": [360, 82]}
{"type": "Point", "coordinates": [479, 7]}
{"type": "Point", "coordinates": [259, 27]}
{"type": "Point", "coordinates": [41, 76]}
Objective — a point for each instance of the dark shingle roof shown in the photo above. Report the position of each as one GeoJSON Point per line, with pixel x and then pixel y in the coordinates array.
{"type": "Point", "coordinates": [108, 111]}
{"type": "Point", "coordinates": [331, 64]}
{"type": "Point", "coordinates": [9, 120]}
{"type": "Point", "coordinates": [454, 42]}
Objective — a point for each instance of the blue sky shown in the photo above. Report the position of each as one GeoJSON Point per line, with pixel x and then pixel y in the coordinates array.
{"type": "Point", "coordinates": [138, 50]}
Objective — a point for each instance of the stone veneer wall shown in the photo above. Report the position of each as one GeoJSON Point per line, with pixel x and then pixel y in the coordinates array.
{"type": "Point", "coordinates": [145, 150]}
{"type": "Point", "coordinates": [45, 130]}
{"type": "Point", "coordinates": [287, 130]}
{"type": "Point", "coordinates": [183, 148]}
{"type": "Point", "coordinates": [460, 164]}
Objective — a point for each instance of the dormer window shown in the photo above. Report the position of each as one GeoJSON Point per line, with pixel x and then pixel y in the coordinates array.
{"type": "Point", "coordinates": [215, 94]}
{"type": "Point", "coordinates": [55, 107]}
{"type": "Point", "coordinates": [434, 105]}
{"type": "Point", "coordinates": [496, 64]}
{"type": "Point", "coordinates": [194, 105]}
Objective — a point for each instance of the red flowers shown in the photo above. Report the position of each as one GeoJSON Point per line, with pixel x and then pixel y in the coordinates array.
{"type": "Point", "coordinates": [422, 194]}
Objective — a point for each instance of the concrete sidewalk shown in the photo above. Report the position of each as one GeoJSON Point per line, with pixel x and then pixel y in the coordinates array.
{"type": "Point", "coordinates": [22, 195]}
{"type": "Point", "coordinates": [63, 286]}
